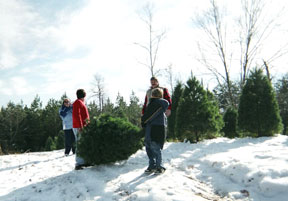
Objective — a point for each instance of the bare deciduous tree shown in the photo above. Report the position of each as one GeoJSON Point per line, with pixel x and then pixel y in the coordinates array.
{"type": "Point", "coordinates": [152, 47]}
{"type": "Point", "coordinates": [98, 90]}
{"type": "Point", "coordinates": [212, 24]}
{"type": "Point", "coordinates": [254, 30]}
{"type": "Point", "coordinates": [170, 79]}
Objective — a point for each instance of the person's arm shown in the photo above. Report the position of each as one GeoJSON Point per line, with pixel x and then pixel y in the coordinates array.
{"type": "Point", "coordinates": [145, 104]}
{"type": "Point", "coordinates": [63, 111]}
{"type": "Point", "coordinates": [168, 98]}
{"type": "Point", "coordinates": [84, 115]}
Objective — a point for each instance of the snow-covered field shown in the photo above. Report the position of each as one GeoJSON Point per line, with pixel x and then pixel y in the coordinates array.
{"type": "Point", "coordinates": [219, 169]}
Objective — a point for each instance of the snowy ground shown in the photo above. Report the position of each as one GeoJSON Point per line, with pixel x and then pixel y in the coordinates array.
{"type": "Point", "coordinates": [219, 169]}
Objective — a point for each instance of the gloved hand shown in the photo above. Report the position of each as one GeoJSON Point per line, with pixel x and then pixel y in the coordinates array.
{"type": "Point", "coordinates": [143, 125]}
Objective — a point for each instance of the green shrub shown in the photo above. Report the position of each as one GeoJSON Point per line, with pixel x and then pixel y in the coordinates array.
{"type": "Point", "coordinates": [50, 144]}
{"type": "Point", "coordinates": [60, 140]}
{"type": "Point", "coordinates": [109, 139]}
{"type": "Point", "coordinates": [230, 123]}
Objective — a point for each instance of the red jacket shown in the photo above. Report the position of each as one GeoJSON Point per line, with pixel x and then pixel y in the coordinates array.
{"type": "Point", "coordinates": [166, 96]}
{"type": "Point", "coordinates": [79, 114]}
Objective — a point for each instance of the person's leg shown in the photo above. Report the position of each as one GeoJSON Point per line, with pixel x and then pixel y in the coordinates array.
{"type": "Point", "coordinates": [66, 138]}
{"type": "Point", "coordinates": [156, 150]}
{"type": "Point", "coordinates": [69, 136]}
{"type": "Point", "coordinates": [152, 162]}
{"type": "Point", "coordinates": [73, 144]}
{"type": "Point", "coordinates": [79, 160]}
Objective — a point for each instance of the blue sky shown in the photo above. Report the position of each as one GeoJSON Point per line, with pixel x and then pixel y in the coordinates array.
{"type": "Point", "coordinates": [51, 47]}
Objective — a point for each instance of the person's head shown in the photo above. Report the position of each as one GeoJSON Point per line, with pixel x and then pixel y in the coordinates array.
{"type": "Point", "coordinates": [80, 93]}
{"type": "Point", "coordinates": [154, 82]}
{"type": "Point", "coordinates": [157, 93]}
{"type": "Point", "coordinates": [66, 102]}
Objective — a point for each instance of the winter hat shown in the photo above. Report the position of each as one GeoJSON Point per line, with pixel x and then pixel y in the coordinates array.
{"type": "Point", "coordinates": [153, 78]}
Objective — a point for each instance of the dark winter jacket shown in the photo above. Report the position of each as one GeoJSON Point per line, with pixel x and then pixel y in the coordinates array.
{"type": "Point", "coordinates": [154, 120]}
{"type": "Point", "coordinates": [166, 96]}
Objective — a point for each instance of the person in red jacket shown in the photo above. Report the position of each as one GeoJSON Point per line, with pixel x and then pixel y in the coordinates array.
{"type": "Point", "coordinates": [155, 84]}
{"type": "Point", "coordinates": [80, 118]}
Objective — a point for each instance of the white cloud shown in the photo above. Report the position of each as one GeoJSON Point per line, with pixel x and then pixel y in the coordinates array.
{"type": "Point", "coordinates": [15, 18]}
{"type": "Point", "coordinates": [97, 38]}
{"type": "Point", "coordinates": [15, 86]}
{"type": "Point", "coordinates": [7, 59]}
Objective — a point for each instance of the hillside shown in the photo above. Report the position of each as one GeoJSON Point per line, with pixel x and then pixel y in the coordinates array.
{"type": "Point", "coordinates": [219, 169]}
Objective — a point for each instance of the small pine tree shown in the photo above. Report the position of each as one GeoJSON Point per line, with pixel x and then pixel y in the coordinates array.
{"type": "Point", "coordinates": [109, 139]}
{"type": "Point", "coordinates": [230, 123]}
{"type": "Point", "coordinates": [258, 109]}
{"type": "Point", "coordinates": [120, 109]}
{"type": "Point", "coordinates": [108, 107]}
{"type": "Point", "coordinates": [282, 97]}
{"type": "Point", "coordinates": [134, 110]}
{"type": "Point", "coordinates": [50, 144]}
{"type": "Point", "coordinates": [172, 118]}
{"type": "Point", "coordinates": [59, 140]}
{"type": "Point", "coordinates": [197, 114]}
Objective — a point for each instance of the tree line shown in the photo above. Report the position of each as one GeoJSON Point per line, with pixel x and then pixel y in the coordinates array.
{"type": "Point", "coordinates": [36, 128]}
{"type": "Point", "coordinates": [259, 110]}
{"type": "Point", "coordinates": [197, 114]}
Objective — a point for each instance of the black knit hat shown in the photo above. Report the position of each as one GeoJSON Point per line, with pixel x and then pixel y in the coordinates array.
{"type": "Point", "coordinates": [153, 78]}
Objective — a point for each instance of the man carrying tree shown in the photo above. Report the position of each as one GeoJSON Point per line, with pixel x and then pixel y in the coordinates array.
{"type": "Point", "coordinates": [155, 84]}
{"type": "Point", "coordinates": [80, 119]}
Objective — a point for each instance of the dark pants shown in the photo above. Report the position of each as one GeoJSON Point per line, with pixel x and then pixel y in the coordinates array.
{"type": "Point", "coordinates": [69, 141]}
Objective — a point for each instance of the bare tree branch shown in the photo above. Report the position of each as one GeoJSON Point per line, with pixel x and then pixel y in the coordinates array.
{"type": "Point", "coordinates": [152, 47]}
{"type": "Point", "coordinates": [98, 90]}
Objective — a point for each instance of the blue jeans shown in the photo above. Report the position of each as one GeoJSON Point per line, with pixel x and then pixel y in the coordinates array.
{"type": "Point", "coordinates": [153, 151]}
{"type": "Point", "coordinates": [79, 160]}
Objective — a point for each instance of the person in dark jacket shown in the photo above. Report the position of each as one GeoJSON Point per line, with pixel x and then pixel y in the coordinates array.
{"type": "Point", "coordinates": [65, 113]}
{"type": "Point", "coordinates": [155, 84]}
{"type": "Point", "coordinates": [154, 120]}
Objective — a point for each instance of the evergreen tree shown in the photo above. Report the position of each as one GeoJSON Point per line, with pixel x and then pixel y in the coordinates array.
{"type": "Point", "coordinates": [282, 97]}
{"type": "Point", "coordinates": [258, 109]}
{"type": "Point", "coordinates": [63, 97]}
{"type": "Point", "coordinates": [108, 107]}
{"type": "Point", "coordinates": [3, 144]}
{"type": "Point", "coordinates": [50, 144]}
{"type": "Point", "coordinates": [108, 139]}
{"type": "Point", "coordinates": [121, 107]}
{"type": "Point", "coordinates": [11, 118]}
{"type": "Point", "coordinates": [51, 120]}
{"type": "Point", "coordinates": [34, 137]}
{"type": "Point", "coordinates": [230, 123]}
{"type": "Point", "coordinates": [172, 118]}
{"type": "Point", "coordinates": [59, 140]}
{"type": "Point", "coordinates": [197, 115]}
{"type": "Point", "coordinates": [93, 109]}
{"type": "Point", "coordinates": [134, 110]}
